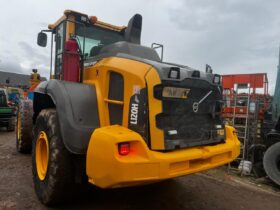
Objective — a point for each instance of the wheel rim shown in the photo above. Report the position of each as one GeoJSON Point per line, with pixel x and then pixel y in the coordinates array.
{"type": "Point", "coordinates": [18, 126]}
{"type": "Point", "coordinates": [42, 155]}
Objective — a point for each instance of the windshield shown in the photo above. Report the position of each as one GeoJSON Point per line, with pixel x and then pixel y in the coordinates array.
{"type": "Point", "coordinates": [95, 39]}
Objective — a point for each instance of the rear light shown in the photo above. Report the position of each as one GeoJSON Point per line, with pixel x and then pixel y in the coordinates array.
{"type": "Point", "coordinates": [174, 73]}
{"type": "Point", "coordinates": [124, 148]}
{"type": "Point", "coordinates": [217, 79]}
{"type": "Point", "coordinates": [93, 19]}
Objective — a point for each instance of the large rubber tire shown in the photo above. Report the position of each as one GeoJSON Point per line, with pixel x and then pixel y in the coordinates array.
{"type": "Point", "coordinates": [59, 179]}
{"type": "Point", "coordinates": [11, 124]}
{"type": "Point", "coordinates": [24, 126]}
{"type": "Point", "coordinates": [255, 154]}
{"type": "Point", "coordinates": [271, 162]}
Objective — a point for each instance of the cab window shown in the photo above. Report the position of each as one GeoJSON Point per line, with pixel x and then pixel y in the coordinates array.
{"type": "Point", "coordinates": [93, 38]}
{"type": "Point", "coordinates": [59, 39]}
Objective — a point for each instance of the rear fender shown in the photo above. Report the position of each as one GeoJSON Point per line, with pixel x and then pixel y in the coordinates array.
{"type": "Point", "coordinates": [76, 106]}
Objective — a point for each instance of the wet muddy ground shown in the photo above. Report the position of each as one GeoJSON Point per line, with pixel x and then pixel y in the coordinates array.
{"type": "Point", "coordinates": [213, 190]}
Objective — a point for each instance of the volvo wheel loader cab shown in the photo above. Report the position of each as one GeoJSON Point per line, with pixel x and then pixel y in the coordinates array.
{"type": "Point", "coordinates": [117, 114]}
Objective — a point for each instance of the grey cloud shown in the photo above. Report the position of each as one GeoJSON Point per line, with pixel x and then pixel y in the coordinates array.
{"type": "Point", "coordinates": [34, 57]}
{"type": "Point", "coordinates": [235, 36]}
{"type": "Point", "coordinates": [31, 53]}
{"type": "Point", "coordinates": [10, 66]}
{"type": "Point", "coordinates": [42, 24]}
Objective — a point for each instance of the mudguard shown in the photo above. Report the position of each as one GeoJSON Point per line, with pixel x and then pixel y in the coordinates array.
{"type": "Point", "coordinates": [76, 106]}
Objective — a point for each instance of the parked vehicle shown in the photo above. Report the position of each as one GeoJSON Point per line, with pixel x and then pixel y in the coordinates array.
{"type": "Point", "coordinates": [7, 113]}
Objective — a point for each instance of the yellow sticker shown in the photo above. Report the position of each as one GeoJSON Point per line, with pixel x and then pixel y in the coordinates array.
{"type": "Point", "coordinates": [175, 92]}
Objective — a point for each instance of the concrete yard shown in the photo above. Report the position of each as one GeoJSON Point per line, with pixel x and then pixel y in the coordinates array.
{"type": "Point", "coordinates": [200, 191]}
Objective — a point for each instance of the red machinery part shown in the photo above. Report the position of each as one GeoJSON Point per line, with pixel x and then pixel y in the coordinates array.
{"type": "Point", "coordinates": [124, 148]}
{"type": "Point", "coordinates": [71, 61]}
{"type": "Point", "coordinates": [256, 81]}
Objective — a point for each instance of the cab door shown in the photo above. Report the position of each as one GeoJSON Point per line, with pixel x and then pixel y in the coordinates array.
{"type": "Point", "coordinates": [59, 48]}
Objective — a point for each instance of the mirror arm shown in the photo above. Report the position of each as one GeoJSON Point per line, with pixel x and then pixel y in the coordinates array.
{"type": "Point", "coordinates": [51, 56]}
{"type": "Point", "coordinates": [158, 46]}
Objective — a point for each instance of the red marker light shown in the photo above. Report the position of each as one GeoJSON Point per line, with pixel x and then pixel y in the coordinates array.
{"type": "Point", "coordinates": [124, 148]}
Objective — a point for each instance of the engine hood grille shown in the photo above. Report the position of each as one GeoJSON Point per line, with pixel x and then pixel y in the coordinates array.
{"type": "Point", "coordinates": [182, 125]}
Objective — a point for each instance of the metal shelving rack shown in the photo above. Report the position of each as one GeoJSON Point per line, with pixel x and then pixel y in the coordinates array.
{"type": "Point", "coordinates": [244, 108]}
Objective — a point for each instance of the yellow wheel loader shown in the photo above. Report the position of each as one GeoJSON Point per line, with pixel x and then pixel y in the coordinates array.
{"type": "Point", "coordinates": [116, 115]}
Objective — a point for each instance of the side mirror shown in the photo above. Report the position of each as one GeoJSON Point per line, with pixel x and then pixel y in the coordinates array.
{"type": "Point", "coordinates": [42, 39]}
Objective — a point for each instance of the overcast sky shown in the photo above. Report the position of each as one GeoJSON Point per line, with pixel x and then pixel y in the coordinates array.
{"type": "Point", "coordinates": [233, 36]}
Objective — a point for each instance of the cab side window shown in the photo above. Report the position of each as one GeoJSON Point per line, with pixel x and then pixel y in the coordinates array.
{"type": "Point", "coordinates": [59, 39]}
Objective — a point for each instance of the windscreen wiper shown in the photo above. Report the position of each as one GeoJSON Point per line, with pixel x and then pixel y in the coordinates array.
{"type": "Point", "coordinates": [196, 104]}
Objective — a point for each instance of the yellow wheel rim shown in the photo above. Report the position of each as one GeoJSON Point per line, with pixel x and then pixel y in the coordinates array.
{"type": "Point", "coordinates": [18, 126]}
{"type": "Point", "coordinates": [42, 155]}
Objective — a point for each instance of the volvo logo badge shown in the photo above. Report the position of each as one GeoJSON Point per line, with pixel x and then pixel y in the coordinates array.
{"type": "Point", "coordinates": [195, 107]}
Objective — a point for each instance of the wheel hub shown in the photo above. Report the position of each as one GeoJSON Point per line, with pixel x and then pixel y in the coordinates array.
{"type": "Point", "coordinates": [42, 155]}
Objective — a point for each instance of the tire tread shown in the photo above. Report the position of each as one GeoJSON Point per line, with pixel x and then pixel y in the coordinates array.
{"type": "Point", "coordinates": [59, 180]}
{"type": "Point", "coordinates": [269, 162]}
